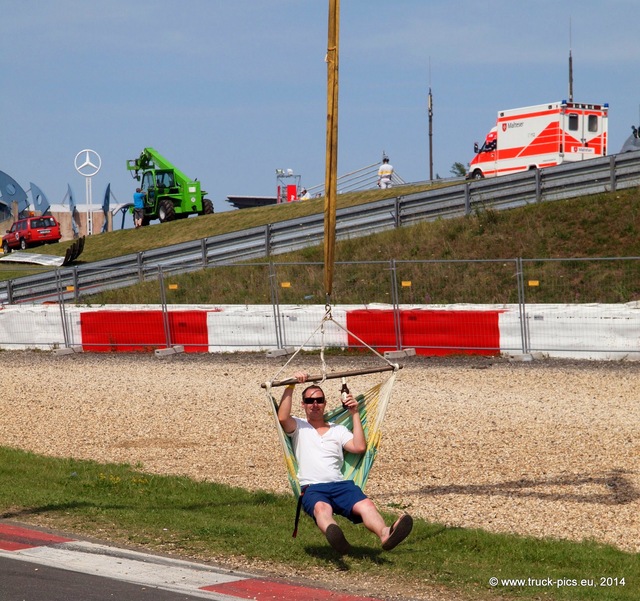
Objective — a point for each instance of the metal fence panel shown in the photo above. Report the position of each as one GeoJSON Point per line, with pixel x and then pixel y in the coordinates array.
{"type": "Point", "coordinates": [560, 307]}
{"type": "Point", "coordinates": [581, 296]}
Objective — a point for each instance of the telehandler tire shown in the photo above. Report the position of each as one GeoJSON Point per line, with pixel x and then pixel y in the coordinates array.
{"type": "Point", "coordinates": [166, 211]}
{"type": "Point", "coordinates": [207, 206]}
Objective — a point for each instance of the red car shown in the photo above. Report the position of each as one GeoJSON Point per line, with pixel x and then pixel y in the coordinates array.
{"type": "Point", "coordinates": [31, 231]}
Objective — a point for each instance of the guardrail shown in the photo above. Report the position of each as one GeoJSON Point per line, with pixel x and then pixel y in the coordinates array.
{"type": "Point", "coordinates": [605, 174]}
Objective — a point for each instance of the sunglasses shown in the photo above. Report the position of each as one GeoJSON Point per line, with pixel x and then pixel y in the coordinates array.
{"type": "Point", "coordinates": [312, 400]}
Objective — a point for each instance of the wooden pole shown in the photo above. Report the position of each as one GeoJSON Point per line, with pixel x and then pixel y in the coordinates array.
{"type": "Point", "coordinates": [331, 165]}
{"type": "Point", "coordinates": [332, 375]}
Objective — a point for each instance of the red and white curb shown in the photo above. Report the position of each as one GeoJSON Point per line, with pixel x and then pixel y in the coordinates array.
{"type": "Point", "coordinates": [196, 580]}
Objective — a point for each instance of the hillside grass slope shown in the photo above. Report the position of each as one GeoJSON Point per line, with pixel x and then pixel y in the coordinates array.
{"type": "Point", "coordinates": [471, 257]}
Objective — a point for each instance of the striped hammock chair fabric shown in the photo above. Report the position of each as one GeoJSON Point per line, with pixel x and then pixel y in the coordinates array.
{"type": "Point", "coordinates": [372, 406]}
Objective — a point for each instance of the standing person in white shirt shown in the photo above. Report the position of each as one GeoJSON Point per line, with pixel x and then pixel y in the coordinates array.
{"type": "Point", "coordinates": [318, 446]}
{"type": "Point", "coordinates": [384, 174]}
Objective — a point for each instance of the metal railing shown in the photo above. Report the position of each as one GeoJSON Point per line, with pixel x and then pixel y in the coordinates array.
{"type": "Point", "coordinates": [605, 174]}
{"type": "Point", "coordinates": [364, 178]}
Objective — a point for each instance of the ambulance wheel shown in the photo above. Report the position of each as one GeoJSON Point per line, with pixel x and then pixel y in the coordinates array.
{"type": "Point", "coordinates": [477, 174]}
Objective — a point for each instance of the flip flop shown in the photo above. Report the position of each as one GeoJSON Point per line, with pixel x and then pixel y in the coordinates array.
{"type": "Point", "coordinates": [337, 540]}
{"type": "Point", "coordinates": [399, 531]}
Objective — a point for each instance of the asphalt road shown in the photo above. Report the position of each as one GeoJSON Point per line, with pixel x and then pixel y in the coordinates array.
{"type": "Point", "coordinates": [37, 565]}
{"type": "Point", "coordinates": [26, 581]}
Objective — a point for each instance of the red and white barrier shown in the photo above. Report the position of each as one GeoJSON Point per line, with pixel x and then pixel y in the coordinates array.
{"type": "Point", "coordinates": [596, 331]}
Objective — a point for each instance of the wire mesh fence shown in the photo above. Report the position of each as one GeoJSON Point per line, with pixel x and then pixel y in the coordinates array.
{"type": "Point", "coordinates": [561, 307]}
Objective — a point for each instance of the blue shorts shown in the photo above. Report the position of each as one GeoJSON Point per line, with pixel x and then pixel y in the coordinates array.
{"type": "Point", "coordinates": [342, 496]}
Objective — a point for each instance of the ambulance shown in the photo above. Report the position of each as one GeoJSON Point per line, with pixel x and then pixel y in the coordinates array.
{"type": "Point", "coordinates": [541, 136]}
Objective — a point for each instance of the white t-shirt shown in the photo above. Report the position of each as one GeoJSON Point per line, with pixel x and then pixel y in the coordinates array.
{"type": "Point", "coordinates": [320, 458]}
{"type": "Point", "coordinates": [385, 171]}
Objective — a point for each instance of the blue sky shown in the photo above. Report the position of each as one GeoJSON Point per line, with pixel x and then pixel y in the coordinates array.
{"type": "Point", "coordinates": [230, 90]}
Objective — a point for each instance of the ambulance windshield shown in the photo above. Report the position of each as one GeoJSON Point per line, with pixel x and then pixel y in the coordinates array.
{"type": "Point", "coordinates": [491, 141]}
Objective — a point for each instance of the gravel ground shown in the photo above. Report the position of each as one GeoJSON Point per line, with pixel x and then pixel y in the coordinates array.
{"type": "Point", "coordinates": [547, 448]}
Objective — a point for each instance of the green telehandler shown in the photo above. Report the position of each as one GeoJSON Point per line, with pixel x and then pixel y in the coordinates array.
{"type": "Point", "coordinates": [169, 193]}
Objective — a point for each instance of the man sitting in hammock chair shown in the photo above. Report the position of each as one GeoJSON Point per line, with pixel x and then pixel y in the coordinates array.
{"type": "Point", "coordinates": [318, 447]}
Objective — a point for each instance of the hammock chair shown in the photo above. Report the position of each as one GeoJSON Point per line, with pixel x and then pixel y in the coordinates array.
{"type": "Point", "coordinates": [372, 406]}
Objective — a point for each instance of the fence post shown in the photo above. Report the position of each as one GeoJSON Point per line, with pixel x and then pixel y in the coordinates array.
{"type": "Point", "coordinates": [205, 256]}
{"type": "Point", "coordinates": [10, 292]}
{"type": "Point", "coordinates": [524, 326]}
{"type": "Point", "coordinates": [140, 269]}
{"type": "Point", "coordinates": [467, 198]}
{"type": "Point", "coordinates": [538, 185]}
{"type": "Point", "coordinates": [398, 207]}
{"type": "Point", "coordinates": [165, 312]}
{"type": "Point", "coordinates": [76, 293]}
{"type": "Point", "coordinates": [63, 315]}
{"type": "Point", "coordinates": [273, 286]}
{"type": "Point", "coordinates": [267, 240]}
{"type": "Point", "coordinates": [612, 172]}
{"type": "Point", "coordinates": [396, 305]}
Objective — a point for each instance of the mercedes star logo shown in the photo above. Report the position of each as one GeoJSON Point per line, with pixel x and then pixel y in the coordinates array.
{"type": "Point", "coordinates": [87, 162]}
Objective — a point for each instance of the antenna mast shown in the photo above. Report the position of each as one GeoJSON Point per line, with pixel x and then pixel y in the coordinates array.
{"type": "Point", "coordinates": [430, 109]}
{"type": "Point", "coordinates": [570, 66]}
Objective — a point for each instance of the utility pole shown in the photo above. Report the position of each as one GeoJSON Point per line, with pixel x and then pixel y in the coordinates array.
{"type": "Point", "coordinates": [430, 109]}
{"type": "Point", "coordinates": [331, 166]}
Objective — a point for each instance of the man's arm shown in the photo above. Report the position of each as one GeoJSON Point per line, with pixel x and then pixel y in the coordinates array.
{"type": "Point", "coordinates": [284, 410]}
{"type": "Point", "coordinates": [358, 444]}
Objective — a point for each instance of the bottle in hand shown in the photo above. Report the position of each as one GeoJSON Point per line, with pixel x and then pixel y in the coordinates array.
{"type": "Point", "coordinates": [344, 391]}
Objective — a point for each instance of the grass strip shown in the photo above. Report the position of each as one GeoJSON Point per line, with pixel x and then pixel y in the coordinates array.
{"type": "Point", "coordinates": [201, 520]}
